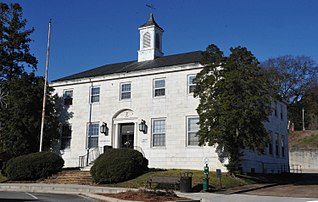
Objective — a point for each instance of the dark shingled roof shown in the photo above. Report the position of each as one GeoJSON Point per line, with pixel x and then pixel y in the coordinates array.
{"type": "Point", "coordinates": [151, 21]}
{"type": "Point", "coordinates": [131, 66]}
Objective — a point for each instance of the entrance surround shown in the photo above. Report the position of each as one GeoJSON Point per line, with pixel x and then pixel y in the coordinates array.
{"type": "Point", "coordinates": [121, 117]}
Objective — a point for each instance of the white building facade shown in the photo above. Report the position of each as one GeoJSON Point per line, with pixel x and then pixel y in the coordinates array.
{"type": "Point", "coordinates": [155, 92]}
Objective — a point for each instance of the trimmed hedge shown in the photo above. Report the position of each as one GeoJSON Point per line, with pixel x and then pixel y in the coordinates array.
{"type": "Point", "coordinates": [33, 166]}
{"type": "Point", "coordinates": [117, 165]}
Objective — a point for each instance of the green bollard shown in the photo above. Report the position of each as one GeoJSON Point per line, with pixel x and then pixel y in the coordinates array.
{"type": "Point", "coordinates": [206, 177]}
{"type": "Point", "coordinates": [205, 184]}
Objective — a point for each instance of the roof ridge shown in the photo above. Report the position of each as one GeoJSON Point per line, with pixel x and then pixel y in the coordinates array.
{"type": "Point", "coordinates": [134, 65]}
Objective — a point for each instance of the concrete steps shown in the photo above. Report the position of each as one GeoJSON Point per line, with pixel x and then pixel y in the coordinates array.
{"type": "Point", "coordinates": [70, 177]}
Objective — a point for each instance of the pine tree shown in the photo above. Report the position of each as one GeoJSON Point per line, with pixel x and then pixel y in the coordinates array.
{"type": "Point", "coordinates": [15, 53]}
{"type": "Point", "coordinates": [235, 101]}
{"type": "Point", "coordinates": [20, 115]}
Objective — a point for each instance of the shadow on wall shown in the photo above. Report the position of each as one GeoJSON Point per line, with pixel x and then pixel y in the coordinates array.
{"type": "Point", "coordinates": [62, 106]}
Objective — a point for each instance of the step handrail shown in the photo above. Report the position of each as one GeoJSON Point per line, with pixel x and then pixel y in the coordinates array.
{"type": "Point", "coordinates": [90, 156]}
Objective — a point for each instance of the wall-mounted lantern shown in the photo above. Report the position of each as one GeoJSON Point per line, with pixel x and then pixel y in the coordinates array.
{"type": "Point", "coordinates": [143, 126]}
{"type": "Point", "coordinates": [104, 128]}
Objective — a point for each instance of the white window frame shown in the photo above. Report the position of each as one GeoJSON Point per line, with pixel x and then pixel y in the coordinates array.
{"type": "Point", "coordinates": [95, 95]}
{"type": "Point", "coordinates": [191, 131]}
{"type": "Point", "coordinates": [190, 83]}
{"type": "Point", "coordinates": [159, 88]}
{"type": "Point", "coordinates": [122, 92]}
{"type": "Point", "coordinates": [92, 134]}
{"type": "Point", "coordinates": [158, 134]}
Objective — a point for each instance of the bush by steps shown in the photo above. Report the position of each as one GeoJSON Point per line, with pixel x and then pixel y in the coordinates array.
{"type": "Point", "coordinates": [33, 166]}
{"type": "Point", "coordinates": [117, 165]}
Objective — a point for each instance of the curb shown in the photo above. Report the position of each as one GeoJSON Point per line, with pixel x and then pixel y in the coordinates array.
{"type": "Point", "coordinates": [252, 189]}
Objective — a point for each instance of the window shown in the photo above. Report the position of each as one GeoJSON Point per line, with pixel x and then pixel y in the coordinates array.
{"type": "Point", "coordinates": [275, 108]}
{"type": "Point", "coordinates": [281, 112]}
{"type": "Point", "coordinates": [283, 145]}
{"type": "Point", "coordinates": [159, 87]}
{"type": "Point", "coordinates": [66, 136]}
{"type": "Point", "coordinates": [191, 84]}
{"type": "Point", "coordinates": [192, 129]}
{"type": "Point", "coordinates": [125, 91]}
{"type": "Point", "coordinates": [146, 40]}
{"type": "Point", "coordinates": [95, 94]}
{"type": "Point", "coordinates": [276, 144]}
{"type": "Point", "coordinates": [68, 97]}
{"type": "Point", "coordinates": [270, 146]}
{"type": "Point", "coordinates": [93, 132]}
{"type": "Point", "coordinates": [159, 132]}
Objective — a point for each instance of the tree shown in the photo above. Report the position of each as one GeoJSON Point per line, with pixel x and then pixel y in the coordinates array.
{"type": "Point", "coordinates": [20, 116]}
{"type": "Point", "coordinates": [15, 53]}
{"type": "Point", "coordinates": [21, 119]}
{"type": "Point", "coordinates": [235, 100]}
{"type": "Point", "coordinates": [292, 75]}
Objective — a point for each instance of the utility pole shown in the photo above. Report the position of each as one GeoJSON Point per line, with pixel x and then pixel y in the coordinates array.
{"type": "Point", "coordinates": [45, 84]}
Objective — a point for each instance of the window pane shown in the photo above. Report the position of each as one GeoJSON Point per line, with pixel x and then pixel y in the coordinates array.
{"type": "Point", "coordinates": [160, 92]}
{"type": "Point", "coordinates": [193, 128]}
{"type": "Point", "coordinates": [125, 91]}
{"type": "Point", "coordinates": [191, 84]}
{"type": "Point", "coordinates": [93, 132]}
{"type": "Point", "coordinates": [68, 97]}
{"type": "Point", "coordinates": [159, 132]}
{"type": "Point", "coordinates": [125, 87]}
{"type": "Point", "coordinates": [159, 83]}
{"type": "Point", "coordinates": [125, 96]}
{"type": "Point", "coordinates": [95, 91]}
{"type": "Point", "coordinates": [95, 98]}
{"type": "Point", "coordinates": [191, 78]}
{"type": "Point", "coordinates": [66, 136]}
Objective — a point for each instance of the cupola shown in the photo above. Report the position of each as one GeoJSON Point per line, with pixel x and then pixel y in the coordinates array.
{"type": "Point", "coordinates": [150, 40]}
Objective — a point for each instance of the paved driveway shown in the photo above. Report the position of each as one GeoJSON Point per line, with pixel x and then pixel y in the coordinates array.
{"type": "Point", "coordinates": [306, 186]}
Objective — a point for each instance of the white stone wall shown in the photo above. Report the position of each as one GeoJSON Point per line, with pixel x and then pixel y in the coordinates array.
{"type": "Point", "coordinates": [306, 160]}
{"type": "Point", "coordinates": [175, 106]}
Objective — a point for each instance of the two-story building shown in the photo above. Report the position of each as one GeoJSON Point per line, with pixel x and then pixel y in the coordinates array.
{"type": "Point", "coordinates": [148, 105]}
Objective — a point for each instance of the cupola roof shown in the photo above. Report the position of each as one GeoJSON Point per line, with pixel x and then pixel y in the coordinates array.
{"type": "Point", "coordinates": [151, 21]}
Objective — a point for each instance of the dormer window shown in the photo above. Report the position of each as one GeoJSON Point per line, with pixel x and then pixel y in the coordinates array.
{"type": "Point", "coordinates": [146, 41]}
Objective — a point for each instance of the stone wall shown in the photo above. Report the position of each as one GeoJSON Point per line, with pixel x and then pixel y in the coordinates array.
{"type": "Point", "coordinates": [307, 159]}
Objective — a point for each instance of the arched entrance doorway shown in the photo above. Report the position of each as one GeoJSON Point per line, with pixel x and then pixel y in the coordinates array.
{"type": "Point", "coordinates": [124, 129]}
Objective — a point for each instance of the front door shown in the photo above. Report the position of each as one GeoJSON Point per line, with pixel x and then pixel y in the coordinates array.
{"type": "Point", "coordinates": [126, 133]}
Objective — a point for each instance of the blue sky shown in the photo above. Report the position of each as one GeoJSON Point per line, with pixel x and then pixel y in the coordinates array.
{"type": "Point", "coordinates": [87, 34]}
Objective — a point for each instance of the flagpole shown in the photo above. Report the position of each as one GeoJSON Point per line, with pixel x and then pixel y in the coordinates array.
{"type": "Point", "coordinates": [45, 84]}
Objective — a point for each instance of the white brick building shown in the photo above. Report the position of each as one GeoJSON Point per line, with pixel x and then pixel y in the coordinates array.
{"type": "Point", "coordinates": [155, 89]}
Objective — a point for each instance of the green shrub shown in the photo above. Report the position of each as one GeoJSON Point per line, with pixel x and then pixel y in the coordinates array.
{"type": "Point", "coordinates": [117, 165]}
{"type": "Point", "coordinates": [33, 166]}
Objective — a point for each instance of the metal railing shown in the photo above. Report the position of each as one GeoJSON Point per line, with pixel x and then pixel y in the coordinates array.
{"type": "Point", "coordinates": [94, 153]}
{"type": "Point", "coordinates": [90, 156]}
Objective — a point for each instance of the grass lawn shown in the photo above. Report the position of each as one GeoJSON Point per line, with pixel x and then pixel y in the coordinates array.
{"type": "Point", "coordinates": [2, 178]}
{"type": "Point", "coordinates": [141, 181]}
